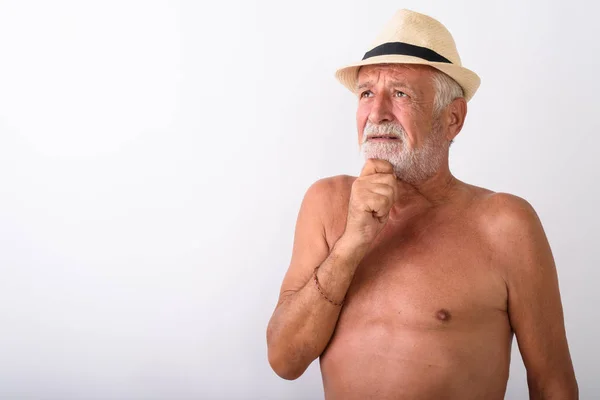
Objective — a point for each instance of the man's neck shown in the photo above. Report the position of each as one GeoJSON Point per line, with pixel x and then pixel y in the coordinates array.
{"type": "Point", "coordinates": [440, 189]}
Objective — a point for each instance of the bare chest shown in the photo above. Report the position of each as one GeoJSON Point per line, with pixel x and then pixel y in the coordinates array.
{"type": "Point", "coordinates": [435, 275]}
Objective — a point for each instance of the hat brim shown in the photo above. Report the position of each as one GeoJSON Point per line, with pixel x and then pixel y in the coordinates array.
{"type": "Point", "coordinates": [467, 79]}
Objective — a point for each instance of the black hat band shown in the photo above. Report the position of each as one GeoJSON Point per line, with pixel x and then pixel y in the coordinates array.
{"type": "Point", "coordinates": [406, 49]}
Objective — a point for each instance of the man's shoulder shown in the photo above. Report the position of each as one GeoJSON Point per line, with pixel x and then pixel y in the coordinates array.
{"type": "Point", "coordinates": [331, 187]}
{"type": "Point", "coordinates": [327, 199]}
{"type": "Point", "coordinates": [501, 207]}
{"type": "Point", "coordinates": [329, 196]}
{"type": "Point", "coordinates": [506, 217]}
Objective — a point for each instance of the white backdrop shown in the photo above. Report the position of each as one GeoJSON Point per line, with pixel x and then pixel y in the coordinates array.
{"type": "Point", "coordinates": [154, 154]}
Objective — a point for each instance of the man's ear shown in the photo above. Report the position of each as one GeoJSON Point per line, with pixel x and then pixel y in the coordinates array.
{"type": "Point", "coordinates": [455, 117]}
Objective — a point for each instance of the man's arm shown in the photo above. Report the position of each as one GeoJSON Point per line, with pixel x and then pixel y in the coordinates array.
{"type": "Point", "coordinates": [303, 321]}
{"type": "Point", "coordinates": [534, 303]}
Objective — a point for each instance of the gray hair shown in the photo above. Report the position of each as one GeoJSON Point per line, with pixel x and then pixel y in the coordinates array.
{"type": "Point", "coordinates": [446, 91]}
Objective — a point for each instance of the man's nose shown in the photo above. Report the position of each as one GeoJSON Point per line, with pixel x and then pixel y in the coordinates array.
{"type": "Point", "coordinates": [381, 110]}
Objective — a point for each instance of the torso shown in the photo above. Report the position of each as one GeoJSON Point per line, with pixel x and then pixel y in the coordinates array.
{"type": "Point", "coordinates": [426, 314]}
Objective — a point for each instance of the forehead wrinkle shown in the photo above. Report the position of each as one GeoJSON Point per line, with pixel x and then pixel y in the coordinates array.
{"type": "Point", "coordinates": [400, 83]}
{"type": "Point", "coordinates": [394, 77]}
{"type": "Point", "coordinates": [360, 85]}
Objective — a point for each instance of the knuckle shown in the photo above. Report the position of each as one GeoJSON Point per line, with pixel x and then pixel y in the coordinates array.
{"type": "Point", "coordinates": [389, 192]}
{"type": "Point", "coordinates": [382, 201]}
{"type": "Point", "coordinates": [357, 185]}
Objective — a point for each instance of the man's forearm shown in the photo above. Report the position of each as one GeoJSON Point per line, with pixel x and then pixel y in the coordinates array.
{"type": "Point", "coordinates": [563, 388]}
{"type": "Point", "coordinates": [304, 321]}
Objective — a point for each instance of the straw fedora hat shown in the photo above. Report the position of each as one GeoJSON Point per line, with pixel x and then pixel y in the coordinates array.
{"type": "Point", "coordinates": [413, 38]}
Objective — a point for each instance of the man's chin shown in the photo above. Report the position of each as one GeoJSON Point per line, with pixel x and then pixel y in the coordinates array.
{"type": "Point", "coordinates": [380, 155]}
{"type": "Point", "coordinates": [382, 151]}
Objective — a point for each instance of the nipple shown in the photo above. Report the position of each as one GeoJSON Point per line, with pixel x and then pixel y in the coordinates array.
{"type": "Point", "coordinates": [443, 315]}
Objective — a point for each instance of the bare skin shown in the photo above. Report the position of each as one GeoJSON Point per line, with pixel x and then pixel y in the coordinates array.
{"type": "Point", "coordinates": [436, 277]}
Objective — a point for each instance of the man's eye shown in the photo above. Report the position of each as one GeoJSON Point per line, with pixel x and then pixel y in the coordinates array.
{"type": "Point", "coordinates": [366, 93]}
{"type": "Point", "coordinates": [398, 93]}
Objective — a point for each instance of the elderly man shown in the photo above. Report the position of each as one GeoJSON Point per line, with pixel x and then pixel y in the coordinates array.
{"type": "Point", "coordinates": [407, 282]}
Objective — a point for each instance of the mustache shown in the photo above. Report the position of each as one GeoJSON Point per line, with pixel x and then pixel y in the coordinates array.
{"type": "Point", "coordinates": [385, 128]}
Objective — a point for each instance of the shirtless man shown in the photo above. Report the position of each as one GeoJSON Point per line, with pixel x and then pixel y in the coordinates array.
{"type": "Point", "coordinates": [435, 275]}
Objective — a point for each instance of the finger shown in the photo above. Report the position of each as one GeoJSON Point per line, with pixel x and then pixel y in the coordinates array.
{"type": "Point", "coordinates": [374, 165]}
{"type": "Point", "coordinates": [388, 179]}
{"type": "Point", "coordinates": [378, 205]}
{"type": "Point", "coordinates": [385, 179]}
{"type": "Point", "coordinates": [381, 189]}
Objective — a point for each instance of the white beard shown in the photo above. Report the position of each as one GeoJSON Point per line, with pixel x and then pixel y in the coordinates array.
{"type": "Point", "coordinates": [410, 165]}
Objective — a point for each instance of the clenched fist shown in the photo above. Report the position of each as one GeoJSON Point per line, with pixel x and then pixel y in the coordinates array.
{"type": "Point", "coordinates": [372, 196]}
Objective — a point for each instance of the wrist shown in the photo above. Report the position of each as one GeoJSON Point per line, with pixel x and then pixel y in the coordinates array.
{"type": "Point", "coordinates": [351, 248]}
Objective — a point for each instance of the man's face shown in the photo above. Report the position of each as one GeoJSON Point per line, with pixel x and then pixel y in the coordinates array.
{"type": "Point", "coordinates": [397, 102]}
